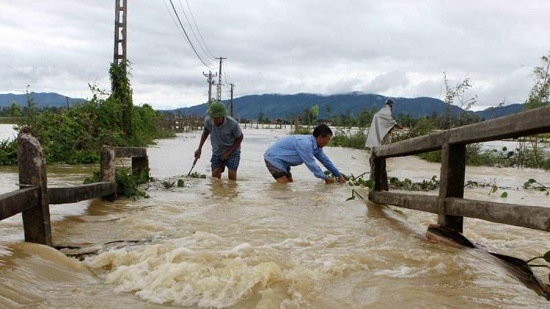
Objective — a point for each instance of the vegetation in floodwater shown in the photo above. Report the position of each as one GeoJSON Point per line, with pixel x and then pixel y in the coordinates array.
{"type": "Point", "coordinates": [127, 182]}
{"type": "Point", "coordinates": [533, 184]}
{"type": "Point", "coordinates": [197, 175]}
{"type": "Point", "coordinates": [409, 185]}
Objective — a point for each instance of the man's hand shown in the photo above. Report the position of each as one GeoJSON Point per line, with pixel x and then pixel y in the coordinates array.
{"type": "Point", "coordinates": [225, 156]}
{"type": "Point", "coordinates": [198, 153]}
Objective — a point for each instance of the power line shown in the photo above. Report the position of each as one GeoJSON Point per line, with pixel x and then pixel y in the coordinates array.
{"type": "Point", "coordinates": [203, 45]}
{"type": "Point", "coordinates": [187, 36]}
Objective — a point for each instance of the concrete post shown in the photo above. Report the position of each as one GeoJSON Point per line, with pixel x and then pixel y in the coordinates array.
{"type": "Point", "coordinates": [32, 172]}
{"type": "Point", "coordinates": [108, 168]}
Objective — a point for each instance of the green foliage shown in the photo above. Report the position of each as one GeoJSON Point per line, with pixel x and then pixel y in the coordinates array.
{"type": "Point", "coordinates": [409, 185]}
{"type": "Point", "coordinates": [360, 181]}
{"type": "Point", "coordinates": [346, 138]}
{"type": "Point", "coordinates": [9, 120]}
{"type": "Point", "coordinates": [127, 182]}
{"type": "Point", "coordinates": [197, 175]}
{"type": "Point", "coordinates": [301, 130]}
{"type": "Point", "coordinates": [534, 184]}
{"type": "Point", "coordinates": [122, 95]}
{"type": "Point", "coordinates": [432, 156]}
{"type": "Point", "coordinates": [545, 257]}
{"type": "Point", "coordinates": [476, 156]}
{"type": "Point", "coordinates": [540, 92]}
{"type": "Point", "coordinates": [457, 96]}
{"type": "Point", "coordinates": [75, 135]}
{"type": "Point", "coordinates": [8, 152]}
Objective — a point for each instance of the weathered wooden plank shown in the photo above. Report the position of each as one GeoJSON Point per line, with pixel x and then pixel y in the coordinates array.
{"type": "Point", "coordinates": [533, 217]}
{"type": "Point", "coordinates": [453, 172]}
{"type": "Point", "coordinates": [378, 173]}
{"type": "Point", "coordinates": [130, 152]}
{"type": "Point", "coordinates": [63, 195]}
{"type": "Point", "coordinates": [427, 203]}
{"type": "Point", "coordinates": [525, 216]}
{"type": "Point", "coordinates": [17, 201]}
{"type": "Point", "coordinates": [530, 122]}
{"type": "Point", "coordinates": [427, 143]}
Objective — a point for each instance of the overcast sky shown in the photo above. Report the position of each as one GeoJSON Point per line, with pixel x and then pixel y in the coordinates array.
{"type": "Point", "coordinates": [395, 48]}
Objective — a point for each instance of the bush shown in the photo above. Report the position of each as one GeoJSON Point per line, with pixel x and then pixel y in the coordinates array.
{"type": "Point", "coordinates": [8, 152]}
{"type": "Point", "coordinates": [348, 139]}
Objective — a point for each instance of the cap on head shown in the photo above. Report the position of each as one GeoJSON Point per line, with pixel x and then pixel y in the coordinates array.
{"type": "Point", "coordinates": [390, 102]}
{"type": "Point", "coordinates": [217, 109]}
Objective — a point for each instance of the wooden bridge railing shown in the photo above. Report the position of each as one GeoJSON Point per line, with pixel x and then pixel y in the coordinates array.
{"type": "Point", "coordinates": [34, 197]}
{"type": "Point", "coordinates": [449, 205]}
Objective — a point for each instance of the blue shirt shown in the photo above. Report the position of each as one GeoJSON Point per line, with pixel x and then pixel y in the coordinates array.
{"type": "Point", "coordinates": [297, 149]}
{"type": "Point", "coordinates": [223, 137]}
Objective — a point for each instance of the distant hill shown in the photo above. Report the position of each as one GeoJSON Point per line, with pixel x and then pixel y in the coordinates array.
{"type": "Point", "coordinates": [42, 99]}
{"type": "Point", "coordinates": [495, 112]}
{"type": "Point", "coordinates": [286, 106]}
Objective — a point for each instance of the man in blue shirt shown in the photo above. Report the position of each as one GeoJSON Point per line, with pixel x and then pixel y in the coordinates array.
{"type": "Point", "coordinates": [226, 137]}
{"type": "Point", "coordinates": [297, 149]}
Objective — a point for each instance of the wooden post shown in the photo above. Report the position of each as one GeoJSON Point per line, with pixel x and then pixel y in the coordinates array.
{"type": "Point", "coordinates": [378, 173]}
{"type": "Point", "coordinates": [453, 172]}
{"type": "Point", "coordinates": [108, 168]}
{"type": "Point", "coordinates": [32, 173]}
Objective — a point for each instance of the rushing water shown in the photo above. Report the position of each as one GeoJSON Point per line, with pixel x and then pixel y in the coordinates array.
{"type": "Point", "coordinates": [258, 244]}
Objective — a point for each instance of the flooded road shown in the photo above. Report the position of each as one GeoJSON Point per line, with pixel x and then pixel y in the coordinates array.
{"type": "Point", "coordinates": [258, 244]}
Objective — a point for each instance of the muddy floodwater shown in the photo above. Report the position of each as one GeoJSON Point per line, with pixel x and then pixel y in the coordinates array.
{"type": "Point", "coordinates": [254, 243]}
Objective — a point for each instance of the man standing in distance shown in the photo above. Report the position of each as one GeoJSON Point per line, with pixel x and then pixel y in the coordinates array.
{"type": "Point", "coordinates": [297, 149]}
{"type": "Point", "coordinates": [226, 137]}
{"type": "Point", "coordinates": [381, 126]}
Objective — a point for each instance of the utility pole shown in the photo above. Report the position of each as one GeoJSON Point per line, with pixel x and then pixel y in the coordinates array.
{"type": "Point", "coordinates": [219, 88]}
{"type": "Point", "coordinates": [120, 32]}
{"type": "Point", "coordinates": [120, 61]}
{"type": "Point", "coordinates": [210, 82]}
{"type": "Point", "coordinates": [231, 104]}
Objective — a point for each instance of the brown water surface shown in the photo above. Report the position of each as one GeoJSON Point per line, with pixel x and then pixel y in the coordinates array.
{"type": "Point", "coordinates": [257, 244]}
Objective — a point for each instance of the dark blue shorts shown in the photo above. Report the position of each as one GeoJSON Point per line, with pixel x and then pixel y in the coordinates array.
{"type": "Point", "coordinates": [277, 173]}
{"type": "Point", "coordinates": [232, 163]}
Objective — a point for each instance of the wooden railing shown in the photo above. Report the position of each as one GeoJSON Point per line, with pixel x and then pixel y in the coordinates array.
{"type": "Point", "coordinates": [34, 197]}
{"type": "Point", "coordinates": [449, 205]}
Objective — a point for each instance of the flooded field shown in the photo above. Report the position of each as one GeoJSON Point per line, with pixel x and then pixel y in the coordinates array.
{"type": "Point", "coordinates": [254, 243]}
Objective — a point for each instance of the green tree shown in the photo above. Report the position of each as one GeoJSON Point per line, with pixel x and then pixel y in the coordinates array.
{"type": "Point", "coordinates": [452, 95]}
{"type": "Point", "coordinates": [314, 114]}
{"type": "Point", "coordinates": [538, 97]}
{"type": "Point", "coordinates": [540, 91]}
{"type": "Point", "coordinates": [261, 117]}
{"type": "Point", "coordinates": [15, 111]}
{"type": "Point", "coordinates": [327, 108]}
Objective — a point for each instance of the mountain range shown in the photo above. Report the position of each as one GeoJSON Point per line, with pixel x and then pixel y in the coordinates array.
{"type": "Point", "coordinates": [41, 99]}
{"type": "Point", "coordinates": [286, 106]}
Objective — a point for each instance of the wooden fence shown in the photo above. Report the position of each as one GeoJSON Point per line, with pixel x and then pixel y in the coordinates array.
{"type": "Point", "coordinates": [34, 197]}
{"type": "Point", "coordinates": [450, 205]}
